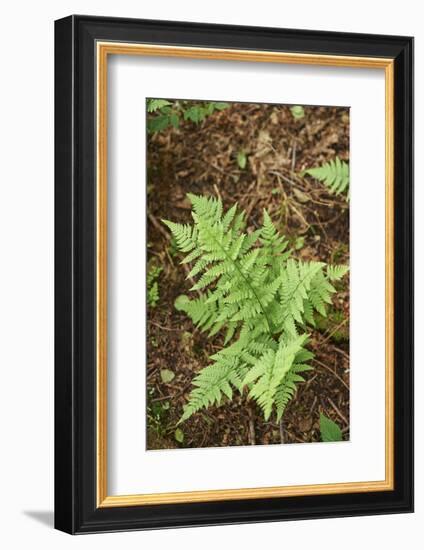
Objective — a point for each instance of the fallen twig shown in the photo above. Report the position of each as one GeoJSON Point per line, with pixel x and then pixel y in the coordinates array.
{"type": "Point", "coordinates": [165, 328]}
{"type": "Point", "coordinates": [340, 414]}
{"type": "Point", "coordinates": [332, 372]}
{"type": "Point", "coordinates": [159, 226]}
{"type": "Point", "coordinates": [334, 331]}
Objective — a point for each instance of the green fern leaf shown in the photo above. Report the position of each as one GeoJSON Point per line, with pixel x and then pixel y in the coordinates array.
{"type": "Point", "coordinates": [156, 104]}
{"type": "Point", "coordinates": [185, 235]}
{"type": "Point", "coordinates": [334, 174]}
{"type": "Point", "coordinates": [270, 371]}
{"type": "Point", "coordinates": [259, 297]}
{"type": "Point", "coordinates": [211, 384]}
{"type": "Point", "coordinates": [337, 272]}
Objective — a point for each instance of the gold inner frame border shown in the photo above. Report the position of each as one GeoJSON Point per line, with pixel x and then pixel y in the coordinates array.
{"type": "Point", "coordinates": [103, 50]}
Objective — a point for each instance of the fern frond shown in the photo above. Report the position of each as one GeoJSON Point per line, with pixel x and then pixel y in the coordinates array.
{"type": "Point", "coordinates": [285, 392]}
{"type": "Point", "coordinates": [320, 293]}
{"type": "Point", "coordinates": [202, 314]}
{"type": "Point", "coordinates": [334, 174]}
{"type": "Point", "coordinates": [274, 245]}
{"type": "Point", "coordinates": [263, 299]}
{"type": "Point", "coordinates": [269, 372]}
{"type": "Point", "coordinates": [207, 209]}
{"type": "Point", "coordinates": [155, 104]}
{"type": "Point", "coordinates": [185, 235]}
{"type": "Point", "coordinates": [287, 388]}
{"type": "Point", "coordinates": [295, 293]}
{"type": "Point", "coordinates": [211, 384]}
{"type": "Point", "coordinates": [337, 272]}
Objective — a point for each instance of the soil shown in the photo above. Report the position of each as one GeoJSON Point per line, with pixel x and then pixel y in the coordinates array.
{"type": "Point", "coordinates": [202, 159]}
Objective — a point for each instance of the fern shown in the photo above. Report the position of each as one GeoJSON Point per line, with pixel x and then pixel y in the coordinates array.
{"type": "Point", "coordinates": [156, 104]}
{"type": "Point", "coordinates": [334, 175]}
{"type": "Point", "coordinates": [269, 375]}
{"type": "Point", "coordinates": [336, 272]}
{"type": "Point", "coordinates": [258, 296]}
{"type": "Point", "coordinates": [163, 113]}
{"type": "Point", "coordinates": [153, 285]}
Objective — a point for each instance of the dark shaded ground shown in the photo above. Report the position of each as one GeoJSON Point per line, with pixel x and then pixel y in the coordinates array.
{"type": "Point", "coordinates": [202, 159]}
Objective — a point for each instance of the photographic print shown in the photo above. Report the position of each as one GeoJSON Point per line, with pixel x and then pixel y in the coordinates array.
{"type": "Point", "coordinates": [217, 291]}
{"type": "Point", "coordinates": [247, 274]}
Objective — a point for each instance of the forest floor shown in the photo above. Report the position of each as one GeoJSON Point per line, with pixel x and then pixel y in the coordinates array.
{"type": "Point", "coordinates": [202, 159]}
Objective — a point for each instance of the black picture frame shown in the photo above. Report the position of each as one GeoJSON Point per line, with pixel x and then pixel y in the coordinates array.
{"type": "Point", "coordinates": [76, 510]}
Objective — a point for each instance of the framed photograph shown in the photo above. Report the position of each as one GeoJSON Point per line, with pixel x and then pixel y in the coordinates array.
{"type": "Point", "coordinates": [234, 274]}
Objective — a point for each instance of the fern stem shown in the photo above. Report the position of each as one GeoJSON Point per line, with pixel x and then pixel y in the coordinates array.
{"type": "Point", "coordinates": [281, 431]}
{"type": "Point", "coordinates": [252, 438]}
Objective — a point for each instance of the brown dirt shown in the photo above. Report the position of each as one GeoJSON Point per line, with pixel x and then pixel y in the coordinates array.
{"type": "Point", "coordinates": [202, 159]}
